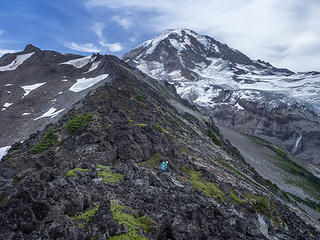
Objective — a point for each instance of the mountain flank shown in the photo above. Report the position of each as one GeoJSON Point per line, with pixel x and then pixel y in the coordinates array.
{"type": "Point", "coordinates": [94, 174]}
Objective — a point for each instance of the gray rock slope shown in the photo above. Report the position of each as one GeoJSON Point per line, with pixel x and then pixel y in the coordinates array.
{"type": "Point", "coordinates": [37, 87]}
{"type": "Point", "coordinates": [95, 174]}
{"type": "Point", "coordinates": [248, 95]}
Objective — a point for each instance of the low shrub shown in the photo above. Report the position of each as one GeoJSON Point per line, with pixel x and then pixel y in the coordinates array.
{"type": "Point", "coordinates": [46, 142]}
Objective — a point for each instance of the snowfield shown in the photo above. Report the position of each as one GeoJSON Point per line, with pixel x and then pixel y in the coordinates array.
{"type": "Point", "coordinates": [3, 151]}
{"type": "Point", "coordinates": [16, 62]}
{"type": "Point", "coordinates": [80, 62]}
{"type": "Point", "coordinates": [29, 88]}
{"type": "Point", "coordinates": [84, 83]}
{"type": "Point", "coordinates": [52, 112]}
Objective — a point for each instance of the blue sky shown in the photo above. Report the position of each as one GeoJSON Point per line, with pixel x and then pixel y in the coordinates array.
{"type": "Point", "coordinates": [283, 32]}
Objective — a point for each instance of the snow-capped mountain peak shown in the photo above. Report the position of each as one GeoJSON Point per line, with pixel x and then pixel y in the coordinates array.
{"type": "Point", "coordinates": [252, 95]}
{"type": "Point", "coordinates": [195, 63]}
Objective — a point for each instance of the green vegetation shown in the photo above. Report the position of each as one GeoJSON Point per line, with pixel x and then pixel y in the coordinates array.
{"type": "Point", "coordinates": [16, 180]}
{"type": "Point", "coordinates": [273, 186]}
{"type": "Point", "coordinates": [183, 169]}
{"type": "Point", "coordinates": [236, 199]}
{"type": "Point", "coordinates": [85, 217]}
{"type": "Point", "coordinates": [130, 120]}
{"type": "Point", "coordinates": [261, 203]}
{"type": "Point", "coordinates": [141, 99]}
{"type": "Point", "coordinates": [308, 182]}
{"type": "Point", "coordinates": [208, 188]}
{"type": "Point", "coordinates": [4, 199]}
{"type": "Point", "coordinates": [78, 122]}
{"type": "Point", "coordinates": [308, 202]}
{"type": "Point", "coordinates": [103, 171]}
{"type": "Point", "coordinates": [107, 175]}
{"type": "Point", "coordinates": [213, 138]}
{"type": "Point", "coordinates": [140, 125]}
{"type": "Point", "coordinates": [145, 222]}
{"type": "Point", "coordinates": [158, 127]}
{"type": "Point", "coordinates": [153, 162]}
{"type": "Point", "coordinates": [46, 142]}
{"type": "Point", "coordinates": [73, 172]}
{"type": "Point", "coordinates": [236, 171]}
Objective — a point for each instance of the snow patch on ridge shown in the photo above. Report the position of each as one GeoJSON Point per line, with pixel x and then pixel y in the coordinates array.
{"type": "Point", "coordinates": [297, 145]}
{"type": "Point", "coordinates": [94, 65]}
{"type": "Point", "coordinates": [84, 83]}
{"type": "Point", "coordinates": [3, 151]}
{"type": "Point", "coordinates": [80, 62]}
{"type": "Point", "coordinates": [16, 62]}
{"type": "Point", "coordinates": [6, 105]}
{"type": "Point", "coordinates": [52, 112]}
{"type": "Point", "coordinates": [29, 88]}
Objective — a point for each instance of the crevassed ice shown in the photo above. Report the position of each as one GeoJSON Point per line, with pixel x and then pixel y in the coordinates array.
{"type": "Point", "coordinates": [300, 86]}
{"type": "Point", "coordinates": [84, 83]}
{"type": "Point", "coordinates": [16, 62]}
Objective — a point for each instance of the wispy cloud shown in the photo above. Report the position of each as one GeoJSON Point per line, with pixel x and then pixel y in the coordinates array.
{"type": "Point", "coordinates": [286, 33]}
{"type": "Point", "coordinates": [86, 47]}
{"type": "Point", "coordinates": [121, 21]}
{"type": "Point", "coordinates": [1, 31]}
{"type": "Point", "coordinates": [98, 28]}
{"type": "Point", "coordinates": [113, 47]}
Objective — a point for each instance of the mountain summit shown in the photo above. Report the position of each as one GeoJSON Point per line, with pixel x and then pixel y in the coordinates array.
{"type": "Point", "coordinates": [189, 52]}
{"type": "Point", "coordinates": [248, 95]}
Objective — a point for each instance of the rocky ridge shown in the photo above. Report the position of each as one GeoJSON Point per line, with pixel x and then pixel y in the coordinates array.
{"type": "Point", "coordinates": [95, 174]}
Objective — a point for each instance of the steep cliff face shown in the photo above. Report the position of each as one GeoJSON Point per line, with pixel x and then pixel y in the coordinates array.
{"type": "Point", "coordinates": [247, 95]}
{"type": "Point", "coordinates": [95, 174]}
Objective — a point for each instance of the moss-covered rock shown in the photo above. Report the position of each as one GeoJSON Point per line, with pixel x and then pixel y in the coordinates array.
{"type": "Point", "coordinates": [132, 223]}
{"type": "Point", "coordinates": [85, 217]}
{"type": "Point", "coordinates": [107, 175]}
{"type": "Point", "coordinates": [73, 172]}
{"type": "Point", "coordinates": [208, 188]}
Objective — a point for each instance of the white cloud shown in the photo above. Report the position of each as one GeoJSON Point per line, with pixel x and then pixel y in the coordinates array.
{"type": "Point", "coordinates": [113, 47]}
{"type": "Point", "coordinates": [284, 32]}
{"type": "Point", "coordinates": [123, 22]}
{"type": "Point", "coordinates": [4, 51]}
{"type": "Point", "coordinates": [86, 47]}
{"type": "Point", "coordinates": [98, 28]}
